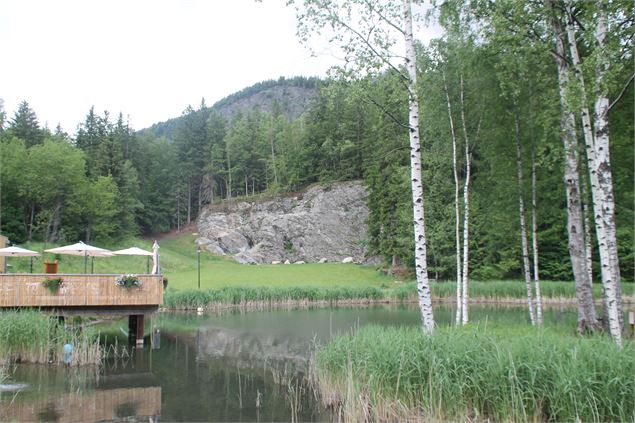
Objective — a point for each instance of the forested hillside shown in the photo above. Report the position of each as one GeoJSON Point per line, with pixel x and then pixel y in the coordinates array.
{"type": "Point", "coordinates": [490, 105]}
{"type": "Point", "coordinates": [288, 96]}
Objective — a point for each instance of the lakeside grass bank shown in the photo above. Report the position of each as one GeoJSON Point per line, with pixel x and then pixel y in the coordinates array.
{"type": "Point", "coordinates": [29, 336]}
{"type": "Point", "coordinates": [511, 373]}
{"type": "Point", "coordinates": [247, 295]}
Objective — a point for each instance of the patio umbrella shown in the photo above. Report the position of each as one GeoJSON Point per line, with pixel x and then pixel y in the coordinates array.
{"type": "Point", "coordinates": [19, 252]}
{"type": "Point", "coordinates": [156, 267]}
{"type": "Point", "coordinates": [136, 251]}
{"type": "Point", "coordinates": [81, 249]}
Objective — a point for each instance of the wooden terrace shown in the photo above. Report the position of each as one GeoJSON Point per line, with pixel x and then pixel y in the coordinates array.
{"type": "Point", "coordinates": [84, 294]}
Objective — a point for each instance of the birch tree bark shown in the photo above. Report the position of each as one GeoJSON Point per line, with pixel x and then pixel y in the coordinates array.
{"type": "Point", "coordinates": [575, 226]}
{"type": "Point", "coordinates": [587, 228]}
{"type": "Point", "coordinates": [598, 162]}
{"type": "Point", "coordinates": [534, 237]}
{"type": "Point", "coordinates": [465, 295]}
{"type": "Point", "coordinates": [523, 225]}
{"type": "Point", "coordinates": [423, 284]}
{"type": "Point", "coordinates": [457, 214]}
{"type": "Point", "coordinates": [602, 169]}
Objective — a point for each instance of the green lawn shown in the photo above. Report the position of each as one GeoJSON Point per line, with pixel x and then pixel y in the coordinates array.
{"type": "Point", "coordinates": [179, 263]}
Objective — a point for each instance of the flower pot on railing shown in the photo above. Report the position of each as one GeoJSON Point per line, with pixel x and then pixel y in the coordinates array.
{"type": "Point", "coordinates": [53, 284]}
{"type": "Point", "coordinates": [50, 266]}
{"type": "Point", "coordinates": [128, 281]}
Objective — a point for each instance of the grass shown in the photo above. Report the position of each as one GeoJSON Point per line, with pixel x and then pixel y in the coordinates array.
{"type": "Point", "coordinates": [476, 373]}
{"type": "Point", "coordinates": [268, 295]}
{"type": "Point", "coordinates": [32, 337]}
{"type": "Point", "coordinates": [487, 290]}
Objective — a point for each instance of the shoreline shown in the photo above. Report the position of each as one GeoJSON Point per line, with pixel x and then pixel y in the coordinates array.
{"type": "Point", "coordinates": [628, 302]}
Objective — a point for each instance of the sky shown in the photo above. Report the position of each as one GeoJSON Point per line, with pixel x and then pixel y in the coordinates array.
{"type": "Point", "coordinates": [148, 59]}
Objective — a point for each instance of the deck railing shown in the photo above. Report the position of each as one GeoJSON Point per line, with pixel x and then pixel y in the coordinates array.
{"type": "Point", "coordinates": [78, 290]}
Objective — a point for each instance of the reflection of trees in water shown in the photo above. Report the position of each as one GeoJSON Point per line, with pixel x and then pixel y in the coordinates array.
{"type": "Point", "coordinates": [251, 350]}
{"type": "Point", "coordinates": [97, 405]}
{"type": "Point", "coordinates": [233, 379]}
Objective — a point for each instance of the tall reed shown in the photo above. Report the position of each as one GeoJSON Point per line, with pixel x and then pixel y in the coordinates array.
{"type": "Point", "coordinates": [245, 295]}
{"type": "Point", "coordinates": [468, 374]}
{"type": "Point", "coordinates": [32, 337]}
{"type": "Point", "coordinates": [270, 295]}
{"type": "Point", "coordinates": [501, 290]}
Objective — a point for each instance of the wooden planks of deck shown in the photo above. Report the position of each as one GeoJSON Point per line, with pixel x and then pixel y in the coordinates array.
{"type": "Point", "coordinates": [90, 290]}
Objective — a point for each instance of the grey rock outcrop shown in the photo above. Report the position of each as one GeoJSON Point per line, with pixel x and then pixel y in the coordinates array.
{"type": "Point", "coordinates": [323, 222]}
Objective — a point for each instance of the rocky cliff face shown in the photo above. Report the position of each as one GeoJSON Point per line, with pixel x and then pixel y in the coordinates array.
{"type": "Point", "coordinates": [324, 222]}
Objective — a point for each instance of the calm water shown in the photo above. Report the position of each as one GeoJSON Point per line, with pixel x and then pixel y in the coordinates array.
{"type": "Point", "coordinates": [230, 366]}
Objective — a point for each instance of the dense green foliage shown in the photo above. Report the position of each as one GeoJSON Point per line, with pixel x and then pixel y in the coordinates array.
{"type": "Point", "coordinates": [107, 182]}
{"type": "Point", "coordinates": [477, 373]}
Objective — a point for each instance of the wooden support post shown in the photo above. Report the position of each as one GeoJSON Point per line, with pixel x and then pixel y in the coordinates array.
{"type": "Point", "coordinates": [135, 329]}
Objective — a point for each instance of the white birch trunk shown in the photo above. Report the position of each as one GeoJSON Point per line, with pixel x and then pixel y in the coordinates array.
{"type": "Point", "coordinates": [575, 226]}
{"type": "Point", "coordinates": [423, 284]}
{"type": "Point", "coordinates": [466, 218]}
{"type": "Point", "coordinates": [587, 228]}
{"type": "Point", "coordinates": [523, 224]}
{"type": "Point", "coordinates": [602, 169]}
{"type": "Point", "coordinates": [601, 183]}
{"type": "Point", "coordinates": [534, 238]}
{"type": "Point", "coordinates": [587, 131]}
{"type": "Point", "coordinates": [457, 215]}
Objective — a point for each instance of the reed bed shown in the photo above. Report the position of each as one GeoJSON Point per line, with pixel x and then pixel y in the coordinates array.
{"type": "Point", "coordinates": [476, 374]}
{"type": "Point", "coordinates": [267, 295]}
{"type": "Point", "coordinates": [29, 336]}
{"type": "Point", "coordinates": [261, 296]}
{"type": "Point", "coordinates": [503, 290]}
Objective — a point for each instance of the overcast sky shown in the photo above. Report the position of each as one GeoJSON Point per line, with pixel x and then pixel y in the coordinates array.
{"type": "Point", "coordinates": [148, 59]}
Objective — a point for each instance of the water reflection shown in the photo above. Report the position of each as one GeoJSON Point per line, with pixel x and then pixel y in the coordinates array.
{"type": "Point", "coordinates": [231, 366]}
{"type": "Point", "coordinates": [61, 394]}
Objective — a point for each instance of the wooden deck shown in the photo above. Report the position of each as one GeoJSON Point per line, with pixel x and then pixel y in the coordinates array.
{"type": "Point", "coordinates": [80, 292]}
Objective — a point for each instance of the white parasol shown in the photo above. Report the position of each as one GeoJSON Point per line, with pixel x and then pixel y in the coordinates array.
{"type": "Point", "coordinates": [81, 249]}
{"type": "Point", "coordinates": [19, 252]}
{"type": "Point", "coordinates": [136, 251]}
{"type": "Point", "coordinates": [156, 267]}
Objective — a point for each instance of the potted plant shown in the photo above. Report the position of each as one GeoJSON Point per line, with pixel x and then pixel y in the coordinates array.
{"type": "Point", "coordinates": [128, 281]}
{"type": "Point", "coordinates": [53, 284]}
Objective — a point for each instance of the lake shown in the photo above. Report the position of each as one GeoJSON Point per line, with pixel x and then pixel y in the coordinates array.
{"type": "Point", "coordinates": [233, 365]}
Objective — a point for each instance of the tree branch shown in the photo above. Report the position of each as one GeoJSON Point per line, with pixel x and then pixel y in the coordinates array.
{"type": "Point", "coordinates": [388, 21]}
{"type": "Point", "coordinates": [335, 18]}
{"type": "Point", "coordinates": [384, 110]}
{"type": "Point", "coordinates": [622, 92]}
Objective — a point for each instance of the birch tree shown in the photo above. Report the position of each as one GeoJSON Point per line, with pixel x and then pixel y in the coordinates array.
{"type": "Point", "coordinates": [596, 137]}
{"type": "Point", "coordinates": [368, 34]}
{"type": "Point", "coordinates": [457, 214]}
{"type": "Point", "coordinates": [465, 294]}
{"type": "Point", "coordinates": [587, 319]}
{"type": "Point", "coordinates": [523, 225]}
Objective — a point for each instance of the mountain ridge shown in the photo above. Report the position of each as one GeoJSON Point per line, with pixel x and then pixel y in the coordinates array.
{"type": "Point", "coordinates": [290, 96]}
